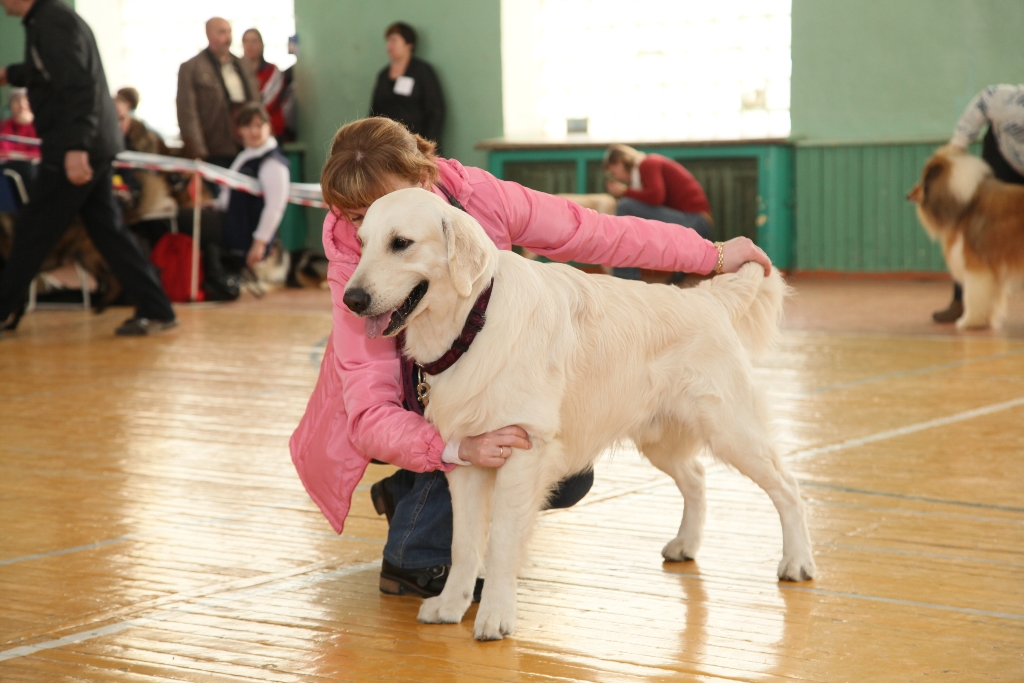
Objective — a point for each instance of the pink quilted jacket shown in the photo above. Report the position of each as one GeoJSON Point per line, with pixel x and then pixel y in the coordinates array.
{"type": "Point", "coordinates": [355, 412]}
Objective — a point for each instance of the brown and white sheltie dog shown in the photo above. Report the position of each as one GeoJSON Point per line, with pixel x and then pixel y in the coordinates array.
{"type": "Point", "coordinates": [979, 221]}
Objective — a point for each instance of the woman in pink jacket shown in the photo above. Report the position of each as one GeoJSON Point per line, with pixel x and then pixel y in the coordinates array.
{"type": "Point", "coordinates": [359, 410]}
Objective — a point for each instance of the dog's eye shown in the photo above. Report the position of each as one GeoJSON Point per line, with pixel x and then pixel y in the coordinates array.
{"type": "Point", "coordinates": [400, 243]}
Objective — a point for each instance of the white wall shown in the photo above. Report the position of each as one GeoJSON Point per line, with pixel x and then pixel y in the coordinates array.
{"type": "Point", "coordinates": [143, 42]}
{"type": "Point", "coordinates": [647, 69]}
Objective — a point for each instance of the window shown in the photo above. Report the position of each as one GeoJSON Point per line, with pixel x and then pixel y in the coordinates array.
{"type": "Point", "coordinates": [647, 70]}
{"type": "Point", "coordinates": [143, 42]}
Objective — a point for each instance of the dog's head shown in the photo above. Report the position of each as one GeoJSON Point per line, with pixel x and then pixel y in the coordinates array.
{"type": "Point", "coordinates": [948, 182]}
{"type": "Point", "coordinates": [418, 252]}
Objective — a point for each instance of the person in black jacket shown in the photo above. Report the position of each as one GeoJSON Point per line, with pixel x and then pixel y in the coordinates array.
{"type": "Point", "coordinates": [408, 90]}
{"type": "Point", "coordinates": [77, 121]}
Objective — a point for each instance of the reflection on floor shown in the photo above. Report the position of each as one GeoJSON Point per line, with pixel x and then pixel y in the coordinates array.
{"type": "Point", "coordinates": [153, 527]}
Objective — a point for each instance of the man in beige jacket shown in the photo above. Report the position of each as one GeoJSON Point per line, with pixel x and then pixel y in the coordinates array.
{"type": "Point", "coordinates": [212, 86]}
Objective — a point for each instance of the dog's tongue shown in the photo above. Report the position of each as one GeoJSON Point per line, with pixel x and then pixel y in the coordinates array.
{"type": "Point", "coordinates": [377, 324]}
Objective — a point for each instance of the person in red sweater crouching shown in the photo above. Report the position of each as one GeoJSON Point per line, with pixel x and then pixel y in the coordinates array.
{"type": "Point", "coordinates": [657, 188]}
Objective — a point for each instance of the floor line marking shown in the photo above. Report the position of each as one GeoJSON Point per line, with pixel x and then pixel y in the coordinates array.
{"type": "Point", "coordinates": [912, 553]}
{"type": "Point", "coordinates": [198, 606]}
{"type": "Point", "coordinates": [746, 583]}
{"type": "Point", "coordinates": [904, 336]}
{"type": "Point", "coordinates": [64, 551]}
{"type": "Point", "coordinates": [916, 512]}
{"type": "Point", "coordinates": [903, 431]}
{"type": "Point", "coordinates": [908, 603]}
{"type": "Point", "coordinates": [186, 606]}
{"type": "Point", "coordinates": [905, 373]}
{"type": "Point", "coordinates": [924, 499]}
{"type": "Point", "coordinates": [204, 521]}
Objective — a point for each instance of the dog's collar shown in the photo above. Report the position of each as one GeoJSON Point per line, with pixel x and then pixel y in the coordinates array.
{"type": "Point", "coordinates": [474, 324]}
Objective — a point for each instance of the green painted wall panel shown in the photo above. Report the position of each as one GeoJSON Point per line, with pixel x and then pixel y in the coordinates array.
{"type": "Point", "coordinates": [12, 50]}
{"type": "Point", "coordinates": [871, 71]}
{"type": "Point", "coordinates": [869, 191]}
{"type": "Point", "coordinates": [852, 212]}
{"type": "Point", "coordinates": [341, 46]}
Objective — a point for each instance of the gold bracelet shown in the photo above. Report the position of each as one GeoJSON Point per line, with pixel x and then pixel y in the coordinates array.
{"type": "Point", "coordinates": [721, 256]}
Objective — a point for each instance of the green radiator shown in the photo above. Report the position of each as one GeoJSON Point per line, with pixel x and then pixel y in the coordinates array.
{"type": "Point", "coordinates": [749, 186]}
{"type": "Point", "coordinates": [851, 208]}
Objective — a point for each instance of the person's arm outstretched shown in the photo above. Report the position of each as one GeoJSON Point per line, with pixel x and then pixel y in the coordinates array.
{"type": "Point", "coordinates": [565, 231]}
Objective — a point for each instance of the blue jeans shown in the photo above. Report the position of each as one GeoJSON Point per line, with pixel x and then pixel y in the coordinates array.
{"type": "Point", "coordinates": [420, 535]}
{"type": "Point", "coordinates": [628, 206]}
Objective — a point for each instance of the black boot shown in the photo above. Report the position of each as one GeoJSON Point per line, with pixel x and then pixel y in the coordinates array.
{"type": "Point", "coordinates": [950, 314]}
{"type": "Point", "coordinates": [218, 284]}
{"type": "Point", "coordinates": [15, 317]}
{"type": "Point", "coordinates": [955, 309]}
{"type": "Point", "coordinates": [426, 582]}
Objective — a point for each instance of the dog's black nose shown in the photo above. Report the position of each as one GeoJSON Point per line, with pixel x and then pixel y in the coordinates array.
{"type": "Point", "coordinates": [357, 300]}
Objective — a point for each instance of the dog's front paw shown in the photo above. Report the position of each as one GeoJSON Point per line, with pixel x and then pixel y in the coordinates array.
{"type": "Point", "coordinates": [437, 610]}
{"type": "Point", "coordinates": [797, 568]}
{"type": "Point", "coordinates": [680, 550]}
{"type": "Point", "coordinates": [494, 623]}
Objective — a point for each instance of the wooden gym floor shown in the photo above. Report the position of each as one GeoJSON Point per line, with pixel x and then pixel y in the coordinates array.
{"type": "Point", "coordinates": [152, 527]}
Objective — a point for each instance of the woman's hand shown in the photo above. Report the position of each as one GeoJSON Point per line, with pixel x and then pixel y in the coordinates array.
{"type": "Point", "coordinates": [740, 250]}
{"type": "Point", "coordinates": [256, 253]}
{"type": "Point", "coordinates": [491, 449]}
{"type": "Point", "coordinates": [615, 188]}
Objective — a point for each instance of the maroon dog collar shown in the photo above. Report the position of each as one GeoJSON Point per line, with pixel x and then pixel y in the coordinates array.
{"type": "Point", "coordinates": [415, 388]}
{"type": "Point", "coordinates": [474, 324]}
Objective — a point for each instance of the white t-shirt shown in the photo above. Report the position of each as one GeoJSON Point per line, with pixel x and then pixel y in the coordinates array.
{"type": "Point", "coordinates": [275, 180]}
{"type": "Point", "coordinates": [233, 82]}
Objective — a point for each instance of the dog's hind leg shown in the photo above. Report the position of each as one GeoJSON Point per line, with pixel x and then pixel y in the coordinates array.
{"type": "Point", "coordinates": [737, 434]}
{"type": "Point", "coordinates": [522, 485]}
{"type": "Point", "coordinates": [981, 299]}
{"type": "Point", "coordinates": [472, 489]}
{"type": "Point", "coordinates": [675, 454]}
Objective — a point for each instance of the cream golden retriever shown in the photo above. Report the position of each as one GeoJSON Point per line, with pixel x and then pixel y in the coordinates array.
{"type": "Point", "coordinates": [581, 362]}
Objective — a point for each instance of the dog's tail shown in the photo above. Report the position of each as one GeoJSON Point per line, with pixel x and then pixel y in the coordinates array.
{"type": "Point", "coordinates": [754, 303]}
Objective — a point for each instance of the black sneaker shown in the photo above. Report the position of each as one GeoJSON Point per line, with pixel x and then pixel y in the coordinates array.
{"type": "Point", "coordinates": [137, 327]}
{"type": "Point", "coordinates": [425, 583]}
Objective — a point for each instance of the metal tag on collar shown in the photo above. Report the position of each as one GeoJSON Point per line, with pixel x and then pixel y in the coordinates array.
{"type": "Point", "coordinates": [422, 388]}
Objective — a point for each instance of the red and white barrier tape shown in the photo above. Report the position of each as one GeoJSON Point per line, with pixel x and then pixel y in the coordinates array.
{"type": "Point", "coordinates": [34, 142]}
{"type": "Point", "coordinates": [303, 194]}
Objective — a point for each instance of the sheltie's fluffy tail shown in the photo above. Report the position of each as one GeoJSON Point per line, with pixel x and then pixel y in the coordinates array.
{"type": "Point", "coordinates": [755, 304]}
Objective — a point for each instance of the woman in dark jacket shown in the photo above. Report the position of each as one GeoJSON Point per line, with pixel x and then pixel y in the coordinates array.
{"type": "Point", "coordinates": [408, 90]}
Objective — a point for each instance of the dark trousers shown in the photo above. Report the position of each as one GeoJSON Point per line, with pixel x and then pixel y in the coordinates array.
{"type": "Point", "coordinates": [1002, 170]}
{"type": "Point", "coordinates": [420, 534]}
{"type": "Point", "coordinates": [53, 203]}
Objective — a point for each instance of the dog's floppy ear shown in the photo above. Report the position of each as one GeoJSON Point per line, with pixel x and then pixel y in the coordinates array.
{"type": "Point", "coordinates": [467, 254]}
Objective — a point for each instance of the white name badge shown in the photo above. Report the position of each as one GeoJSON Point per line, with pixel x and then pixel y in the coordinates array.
{"type": "Point", "coordinates": [403, 85]}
